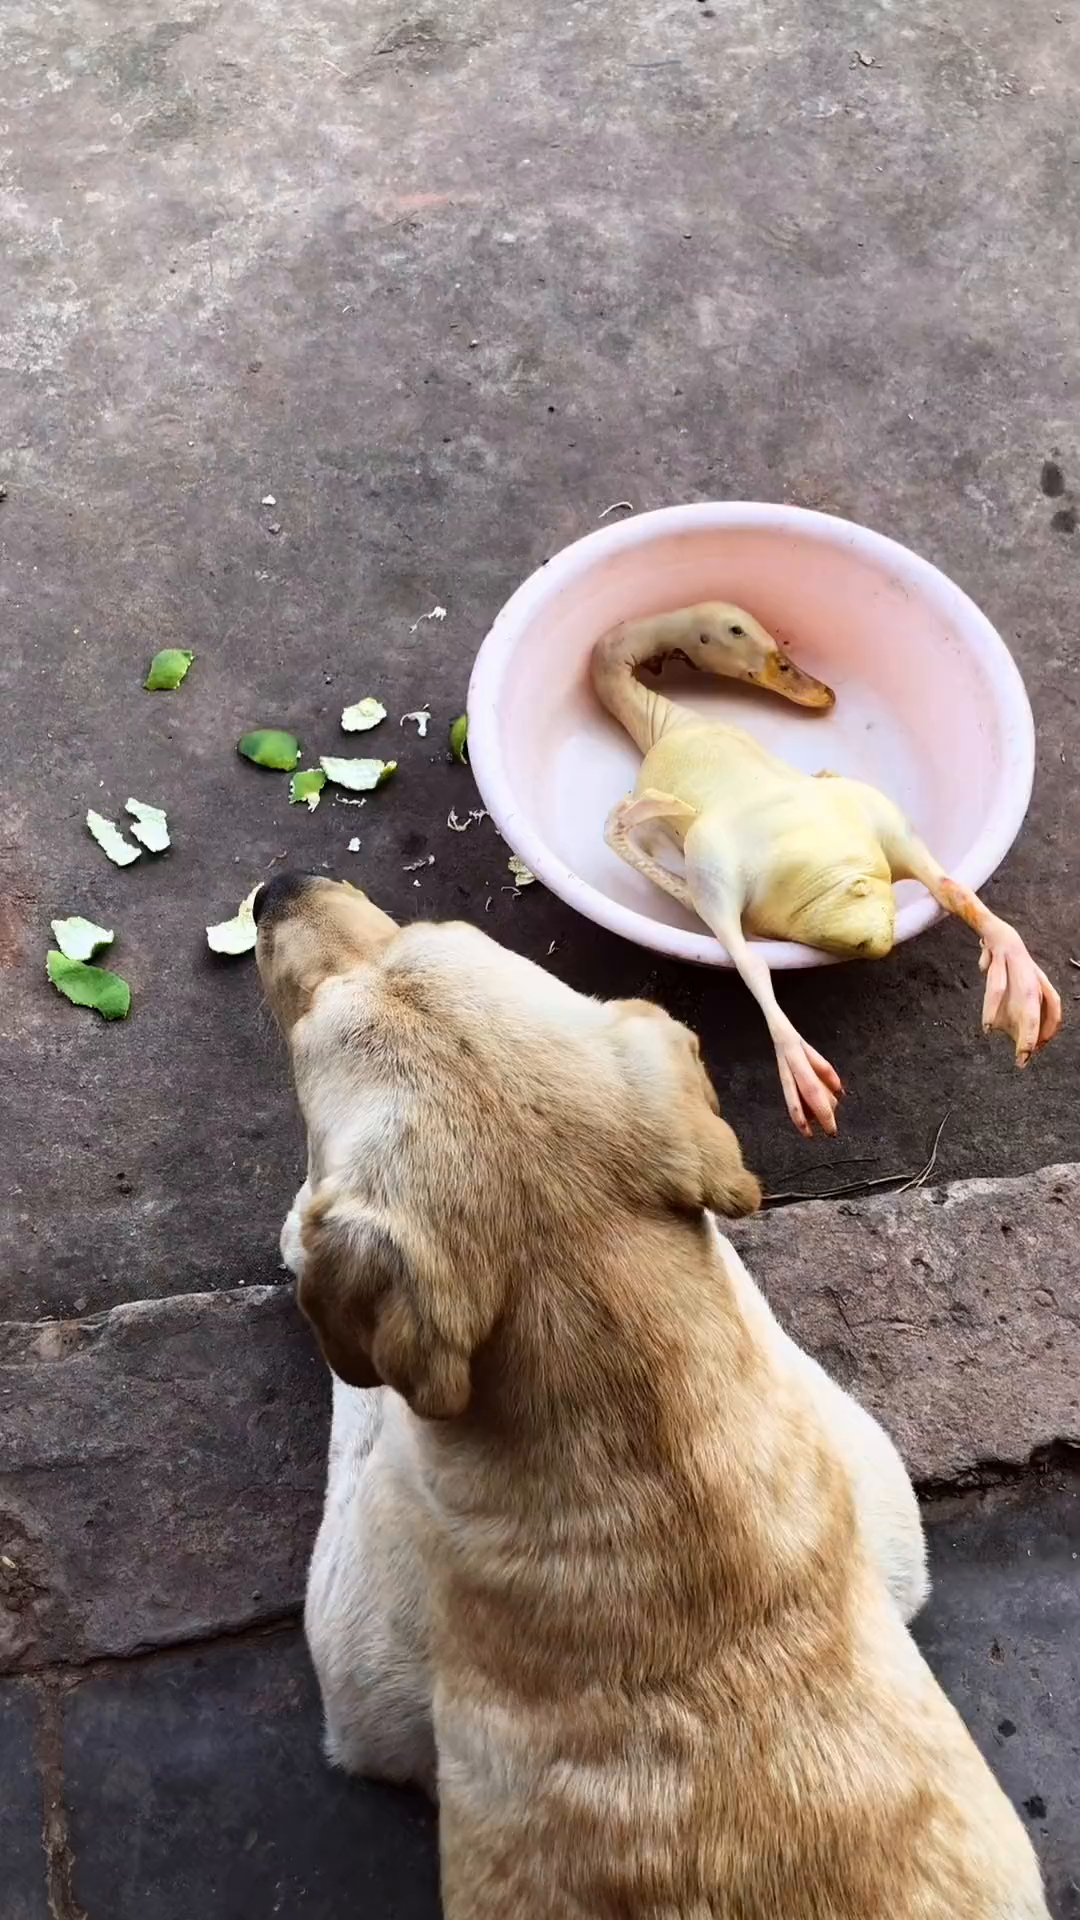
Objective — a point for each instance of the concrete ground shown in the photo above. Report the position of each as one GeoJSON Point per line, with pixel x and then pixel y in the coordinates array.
{"type": "Point", "coordinates": [446, 280]}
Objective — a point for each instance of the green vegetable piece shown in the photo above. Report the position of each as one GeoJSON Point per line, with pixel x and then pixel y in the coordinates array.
{"type": "Point", "coordinates": [167, 669]}
{"type": "Point", "coordinates": [307, 786]}
{"type": "Point", "coordinates": [237, 935]}
{"type": "Point", "coordinates": [111, 840]}
{"type": "Point", "coordinates": [363, 776]}
{"type": "Point", "coordinates": [80, 939]}
{"type": "Point", "coordinates": [523, 875]}
{"type": "Point", "coordinates": [459, 738]}
{"type": "Point", "coordinates": [270, 747]}
{"type": "Point", "coordinates": [91, 987]}
{"type": "Point", "coordinates": [364, 715]}
{"type": "Point", "coordinates": [151, 826]}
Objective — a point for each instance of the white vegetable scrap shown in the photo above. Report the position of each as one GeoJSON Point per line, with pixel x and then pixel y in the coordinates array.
{"type": "Point", "coordinates": [80, 939]}
{"type": "Point", "coordinates": [361, 775]}
{"type": "Point", "coordinates": [237, 935]}
{"type": "Point", "coordinates": [437, 613]}
{"type": "Point", "coordinates": [462, 826]}
{"type": "Point", "coordinates": [413, 866]}
{"type": "Point", "coordinates": [354, 845]}
{"type": "Point", "coordinates": [421, 716]}
{"type": "Point", "coordinates": [151, 826]}
{"type": "Point", "coordinates": [363, 716]}
{"type": "Point", "coordinates": [522, 874]}
{"type": "Point", "coordinates": [111, 840]}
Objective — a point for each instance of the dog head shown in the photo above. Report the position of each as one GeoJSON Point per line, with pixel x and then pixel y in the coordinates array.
{"type": "Point", "coordinates": [470, 1118]}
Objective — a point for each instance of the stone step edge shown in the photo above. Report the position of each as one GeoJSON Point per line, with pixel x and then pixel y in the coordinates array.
{"type": "Point", "coordinates": [162, 1462]}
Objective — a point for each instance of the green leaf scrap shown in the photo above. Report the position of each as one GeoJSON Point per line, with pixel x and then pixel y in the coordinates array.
{"type": "Point", "coordinates": [363, 776]}
{"type": "Point", "coordinates": [459, 738]}
{"type": "Point", "coordinates": [167, 669]}
{"type": "Point", "coordinates": [364, 715]}
{"type": "Point", "coordinates": [307, 786]}
{"type": "Point", "coordinates": [111, 840]}
{"type": "Point", "coordinates": [270, 747]}
{"type": "Point", "coordinates": [80, 939]}
{"type": "Point", "coordinates": [90, 987]}
{"type": "Point", "coordinates": [151, 826]}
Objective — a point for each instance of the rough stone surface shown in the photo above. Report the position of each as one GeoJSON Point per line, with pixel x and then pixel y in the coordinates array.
{"type": "Point", "coordinates": [446, 280]}
{"type": "Point", "coordinates": [1002, 1633]}
{"type": "Point", "coordinates": [195, 1784]}
{"type": "Point", "coordinates": [161, 1466]}
{"type": "Point", "coordinates": [161, 1474]}
{"type": "Point", "coordinates": [950, 1312]}
{"type": "Point", "coordinates": [22, 1858]}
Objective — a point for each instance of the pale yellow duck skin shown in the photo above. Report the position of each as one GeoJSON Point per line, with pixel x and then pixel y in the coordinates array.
{"type": "Point", "coordinates": [769, 850]}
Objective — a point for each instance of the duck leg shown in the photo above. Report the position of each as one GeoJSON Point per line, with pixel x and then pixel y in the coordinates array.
{"type": "Point", "coordinates": [1019, 999]}
{"type": "Point", "coordinates": [812, 1088]}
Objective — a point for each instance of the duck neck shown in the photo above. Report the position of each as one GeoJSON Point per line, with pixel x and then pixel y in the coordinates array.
{"type": "Point", "coordinates": [645, 714]}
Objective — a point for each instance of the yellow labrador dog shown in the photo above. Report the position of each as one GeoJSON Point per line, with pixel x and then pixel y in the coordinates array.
{"type": "Point", "coordinates": [613, 1566]}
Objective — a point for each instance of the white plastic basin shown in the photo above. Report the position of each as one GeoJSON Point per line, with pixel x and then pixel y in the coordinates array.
{"type": "Point", "coordinates": [930, 706]}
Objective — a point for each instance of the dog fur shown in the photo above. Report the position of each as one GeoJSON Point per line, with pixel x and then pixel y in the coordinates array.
{"type": "Point", "coordinates": [606, 1560]}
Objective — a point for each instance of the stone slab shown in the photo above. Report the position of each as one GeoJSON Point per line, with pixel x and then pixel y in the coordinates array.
{"type": "Point", "coordinates": [195, 1785]}
{"type": "Point", "coordinates": [953, 1313]}
{"type": "Point", "coordinates": [160, 1473]}
{"type": "Point", "coordinates": [23, 1885]}
{"type": "Point", "coordinates": [1002, 1633]}
{"type": "Point", "coordinates": [161, 1465]}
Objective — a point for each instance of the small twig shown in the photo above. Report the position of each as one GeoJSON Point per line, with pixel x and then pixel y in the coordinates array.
{"type": "Point", "coordinates": [869, 1186]}
{"type": "Point", "coordinates": [920, 1179]}
{"type": "Point", "coordinates": [836, 1193]}
{"type": "Point", "coordinates": [830, 1166]}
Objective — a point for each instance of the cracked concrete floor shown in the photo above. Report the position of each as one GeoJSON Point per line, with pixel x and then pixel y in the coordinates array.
{"type": "Point", "coordinates": [445, 281]}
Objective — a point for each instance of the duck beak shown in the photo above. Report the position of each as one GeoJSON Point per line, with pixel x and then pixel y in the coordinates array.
{"type": "Point", "coordinates": [782, 676]}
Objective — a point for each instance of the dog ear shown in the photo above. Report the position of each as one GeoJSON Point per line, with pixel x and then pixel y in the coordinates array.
{"type": "Point", "coordinates": [383, 1317]}
{"type": "Point", "coordinates": [700, 1165]}
{"type": "Point", "coordinates": [727, 1186]}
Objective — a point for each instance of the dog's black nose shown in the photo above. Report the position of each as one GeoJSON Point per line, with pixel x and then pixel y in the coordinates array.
{"type": "Point", "coordinates": [276, 895]}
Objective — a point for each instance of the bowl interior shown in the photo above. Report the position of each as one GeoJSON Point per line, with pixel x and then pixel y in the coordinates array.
{"type": "Point", "coordinates": [919, 712]}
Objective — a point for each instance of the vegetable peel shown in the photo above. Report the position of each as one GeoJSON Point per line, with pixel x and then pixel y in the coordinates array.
{"type": "Point", "coordinates": [111, 840]}
{"type": "Point", "coordinates": [270, 747]}
{"type": "Point", "coordinates": [167, 669]}
{"type": "Point", "coordinates": [86, 986]}
{"type": "Point", "coordinates": [364, 715]}
{"type": "Point", "coordinates": [151, 826]}
{"type": "Point", "coordinates": [459, 738]}
{"type": "Point", "coordinates": [237, 935]}
{"type": "Point", "coordinates": [362, 776]}
{"type": "Point", "coordinates": [80, 939]}
{"type": "Point", "coordinates": [307, 786]}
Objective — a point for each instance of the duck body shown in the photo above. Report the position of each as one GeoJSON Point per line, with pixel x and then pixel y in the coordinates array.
{"type": "Point", "coordinates": [810, 865]}
{"type": "Point", "coordinates": [770, 851]}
